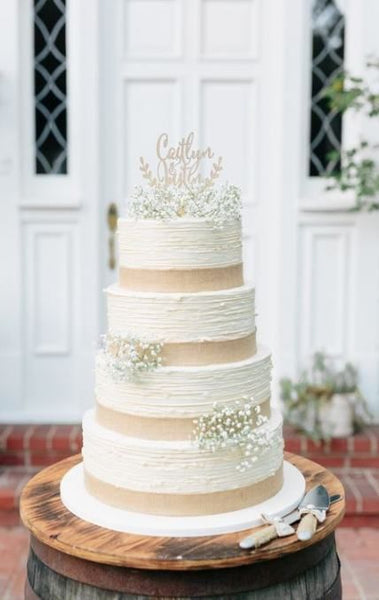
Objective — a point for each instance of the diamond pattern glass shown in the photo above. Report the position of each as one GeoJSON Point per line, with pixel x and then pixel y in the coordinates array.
{"type": "Point", "coordinates": [50, 87]}
{"type": "Point", "coordinates": [328, 32]}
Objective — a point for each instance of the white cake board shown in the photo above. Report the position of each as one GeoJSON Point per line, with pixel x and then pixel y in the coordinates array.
{"type": "Point", "coordinates": [78, 501]}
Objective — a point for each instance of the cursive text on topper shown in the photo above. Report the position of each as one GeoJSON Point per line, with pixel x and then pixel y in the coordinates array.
{"type": "Point", "coordinates": [182, 165]}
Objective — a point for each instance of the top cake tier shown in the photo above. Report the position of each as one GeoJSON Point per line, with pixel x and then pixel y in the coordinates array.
{"type": "Point", "coordinates": [186, 254]}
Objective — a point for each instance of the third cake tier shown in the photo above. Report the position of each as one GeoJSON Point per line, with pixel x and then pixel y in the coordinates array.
{"type": "Point", "coordinates": [193, 327]}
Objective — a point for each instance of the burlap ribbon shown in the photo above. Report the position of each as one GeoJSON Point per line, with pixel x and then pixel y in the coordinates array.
{"type": "Point", "coordinates": [155, 428]}
{"type": "Point", "coordinates": [184, 504]}
{"type": "Point", "coordinates": [183, 280]}
{"type": "Point", "coordinates": [208, 353]}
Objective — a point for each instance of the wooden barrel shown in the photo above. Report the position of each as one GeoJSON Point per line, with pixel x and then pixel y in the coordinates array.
{"type": "Point", "coordinates": [71, 559]}
{"type": "Point", "coordinates": [310, 574]}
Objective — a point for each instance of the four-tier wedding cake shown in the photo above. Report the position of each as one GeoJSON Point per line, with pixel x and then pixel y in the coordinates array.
{"type": "Point", "coordinates": [183, 423]}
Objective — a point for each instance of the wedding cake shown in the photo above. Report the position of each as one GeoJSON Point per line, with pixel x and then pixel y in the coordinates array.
{"type": "Point", "coordinates": [183, 423]}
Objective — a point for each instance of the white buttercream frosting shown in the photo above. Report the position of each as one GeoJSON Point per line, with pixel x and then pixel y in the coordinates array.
{"type": "Point", "coordinates": [185, 392]}
{"type": "Point", "coordinates": [186, 243]}
{"type": "Point", "coordinates": [182, 317]}
{"type": "Point", "coordinates": [176, 467]}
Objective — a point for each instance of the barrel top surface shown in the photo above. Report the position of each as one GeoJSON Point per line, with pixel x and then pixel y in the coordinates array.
{"type": "Point", "coordinates": [53, 524]}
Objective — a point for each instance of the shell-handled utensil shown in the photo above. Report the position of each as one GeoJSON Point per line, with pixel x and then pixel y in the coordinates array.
{"type": "Point", "coordinates": [278, 526]}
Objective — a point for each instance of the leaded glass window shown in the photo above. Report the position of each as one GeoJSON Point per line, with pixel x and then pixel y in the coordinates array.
{"type": "Point", "coordinates": [328, 31]}
{"type": "Point", "coordinates": [50, 87]}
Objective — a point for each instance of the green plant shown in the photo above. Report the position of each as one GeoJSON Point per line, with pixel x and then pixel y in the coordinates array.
{"type": "Point", "coordinates": [359, 170]}
{"type": "Point", "coordinates": [303, 399]}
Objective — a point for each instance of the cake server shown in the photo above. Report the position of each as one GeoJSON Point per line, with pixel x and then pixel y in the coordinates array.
{"type": "Point", "coordinates": [313, 509]}
{"type": "Point", "coordinates": [280, 526]}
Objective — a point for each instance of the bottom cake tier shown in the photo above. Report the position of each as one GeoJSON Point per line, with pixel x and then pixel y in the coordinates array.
{"type": "Point", "coordinates": [177, 477]}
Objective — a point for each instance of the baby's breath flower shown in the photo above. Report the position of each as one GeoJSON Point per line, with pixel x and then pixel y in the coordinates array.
{"type": "Point", "coordinates": [235, 427]}
{"type": "Point", "coordinates": [216, 205]}
{"type": "Point", "coordinates": [124, 357]}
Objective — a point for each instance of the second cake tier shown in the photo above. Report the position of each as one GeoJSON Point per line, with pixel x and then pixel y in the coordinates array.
{"type": "Point", "coordinates": [193, 328]}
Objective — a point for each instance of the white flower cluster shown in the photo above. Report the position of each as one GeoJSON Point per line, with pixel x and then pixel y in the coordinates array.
{"type": "Point", "coordinates": [235, 427]}
{"type": "Point", "coordinates": [170, 202]}
{"type": "Point", "coordinates": [124, 357]}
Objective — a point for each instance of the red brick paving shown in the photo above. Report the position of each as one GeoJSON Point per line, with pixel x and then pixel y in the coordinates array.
{"type": "Point", "coordinates": [358, 550]}
{"type": "Point", "coordinates": [13, 552]}
{"type": "Point", "coordinates": [38, 445]}
{"type": "Point", "coordinates": [12, 480]}
{"type": "Point", "coordinates": [359, 553]}
{"type": "Point", "coordinates": [360, 450]}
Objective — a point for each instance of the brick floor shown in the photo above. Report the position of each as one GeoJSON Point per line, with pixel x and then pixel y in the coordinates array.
{"type": "Point", "coordinates": [358, 550]}
{"type": "Point", "coordinates": [13, 552]}
{"type": "Point", "coordinates": [359, 450]}
{"type": "Point", "coordinates": [12, 480]}
{"type": "Point", "coordinates": [359, 553]}
{"type": "Point", "coordinates": [38, 445]}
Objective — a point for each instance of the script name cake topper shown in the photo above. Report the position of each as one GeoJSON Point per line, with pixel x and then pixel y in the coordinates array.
{"type": "Point", "coordinates": [181, 165]}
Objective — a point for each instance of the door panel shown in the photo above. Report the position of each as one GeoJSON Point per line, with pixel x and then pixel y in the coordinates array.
{"type": "Point", "coordinates": [49, 242]}
{"type": "Point", "coordinates": [176, 67]}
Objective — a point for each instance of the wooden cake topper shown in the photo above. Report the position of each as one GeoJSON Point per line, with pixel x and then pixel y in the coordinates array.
{"type": "Point", "coordinates": [181, 165]}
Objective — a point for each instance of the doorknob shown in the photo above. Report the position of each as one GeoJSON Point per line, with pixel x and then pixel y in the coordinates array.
{"type": "Point", "coordinates": [112, 217]}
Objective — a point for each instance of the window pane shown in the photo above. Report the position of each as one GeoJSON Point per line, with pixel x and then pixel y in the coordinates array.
{"type": "Point", "coordinates": [50, 87]}
{"type": "Point", "coordinates": [327, 63]}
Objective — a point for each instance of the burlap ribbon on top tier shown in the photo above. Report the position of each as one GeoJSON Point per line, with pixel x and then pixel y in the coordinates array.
{"type": "Point", "coordinates": [208, 353]}
{"type": "Point", "coordinates": [155, 428]}
{"type": "Point", "coordinates": [181, 280]}
{"type": "Point", "coordinates": [184, 504]}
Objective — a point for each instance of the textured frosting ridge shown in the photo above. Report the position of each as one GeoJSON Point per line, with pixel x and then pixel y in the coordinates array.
{"type": "Point", "coordinates": [183, 244]}
{"type": "Point", "coordinates": [182, 317]}
{"type": "Point", "coordinates": [186, 392]}
{"type": "Point", "coordinates": [159, 466]}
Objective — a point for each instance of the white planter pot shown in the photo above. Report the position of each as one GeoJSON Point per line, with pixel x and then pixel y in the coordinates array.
{"type": "Point", "coordinates": [337, 416]}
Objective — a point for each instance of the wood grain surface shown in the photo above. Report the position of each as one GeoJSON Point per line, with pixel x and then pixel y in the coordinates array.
{"type": "Point", "coordinates": [52, 524]}
{"type": "Point", "coordinates": [313, 573]}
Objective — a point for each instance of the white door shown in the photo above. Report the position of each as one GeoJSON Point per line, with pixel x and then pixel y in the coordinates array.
{"type": "Point", "coordinates": [49, 171]}
{"type": "Point", "coordinates": [239, 73]}
{"type": "Point", "coordinates": [212, 67]}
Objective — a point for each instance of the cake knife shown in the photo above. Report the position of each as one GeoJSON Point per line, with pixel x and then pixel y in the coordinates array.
{"type": "Point", "coordinates": [255, 540]}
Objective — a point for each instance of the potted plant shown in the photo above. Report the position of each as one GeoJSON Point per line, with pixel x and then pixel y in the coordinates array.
{"type": "Point", "coordinates": [325, 402]}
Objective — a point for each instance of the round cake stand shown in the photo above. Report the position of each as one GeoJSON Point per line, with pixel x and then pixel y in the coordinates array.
{"type": "Point", "coordinates": [79, 501]}
{"type": "Point", "coordinates": [71, 558]}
